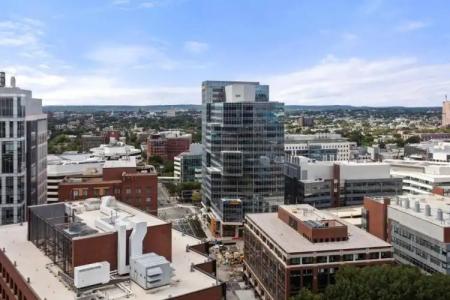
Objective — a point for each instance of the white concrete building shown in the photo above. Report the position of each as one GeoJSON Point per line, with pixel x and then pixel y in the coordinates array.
{"type": "Point", "coordinates": [421, 177]}
{"type": "Point", "coordinates": [319, 146]}
{"type": "Point", "coordinates": [420, 231]}
{"type": "Point", "coordinates": [340, 183]}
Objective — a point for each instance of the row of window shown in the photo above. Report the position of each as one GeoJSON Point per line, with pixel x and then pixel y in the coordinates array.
{"type": "Point", "coordinates": [6, 278]}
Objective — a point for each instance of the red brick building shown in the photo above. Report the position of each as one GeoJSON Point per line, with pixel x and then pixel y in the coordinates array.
{"type": "Point", "coordinates": [302, 247]}
{"type": "Point", "coordinates": [168, 144]}
{"type": "Point", "coordinates": [38, 258]}
{"type": "Point", "coordinates": [111, 134]}
{"type": "Point", "coordinates": [122, 179]}
{"type": "Point", "coordinates": [374, 216]}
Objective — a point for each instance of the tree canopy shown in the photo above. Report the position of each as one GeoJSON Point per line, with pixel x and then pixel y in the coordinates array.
{"type": "Point", "coordinates": [383, 282]}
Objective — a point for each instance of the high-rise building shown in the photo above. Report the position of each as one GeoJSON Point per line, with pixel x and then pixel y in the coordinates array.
{"type": "Point", "coordinates": [243, 141]}
{"type": "Point", "coordinates": [445, 113]}
{"type": "Point", "coordinates": [23, 152]}
{"type": "Point", "coordinates": [168, 144]}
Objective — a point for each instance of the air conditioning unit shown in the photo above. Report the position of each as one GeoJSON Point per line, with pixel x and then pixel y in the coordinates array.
{"type": "Point", "coordinates": [150, 270]}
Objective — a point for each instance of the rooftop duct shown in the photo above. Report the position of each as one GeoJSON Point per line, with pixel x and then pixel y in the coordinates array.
{"type": "Point", "coordinates": [427, 210]}
{"type": "Point", "coordinates": [440, 215]}
{"type": "Point", "coordinates": [417, 206]}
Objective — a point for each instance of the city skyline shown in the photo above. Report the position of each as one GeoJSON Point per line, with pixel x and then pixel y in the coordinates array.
{"type": "Point", "coordinates": [375, 53]}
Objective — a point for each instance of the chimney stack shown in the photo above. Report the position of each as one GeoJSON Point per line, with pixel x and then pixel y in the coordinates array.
{"type": "Point", "coordinates": [13, 81]}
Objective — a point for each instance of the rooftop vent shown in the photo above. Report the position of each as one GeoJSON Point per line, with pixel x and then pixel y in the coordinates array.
{"type": "Point", "coordinates": [439, 215]}
{"type": "Point", "coordinates": [417, 206]}
{"type": "Point", "coordinates": [427, 210]}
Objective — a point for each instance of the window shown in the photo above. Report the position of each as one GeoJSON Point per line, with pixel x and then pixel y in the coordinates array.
{"type": "Point", "coordinates": [347, 257]}
{"type": "Point", "coordinates": [8, 157]}
{"type": "Point", "coordinates": [334, 258]}
{"type": "Point", "coordinates": [128, 191]}
{"type": "Point", "coordinates": [2, 129]}
{"type": "Point", "coordinates": [321, 259]}
{"type": "Point", "coordinates": [307, 260]}
{"type": "Point", "coordinates": [6, 107]}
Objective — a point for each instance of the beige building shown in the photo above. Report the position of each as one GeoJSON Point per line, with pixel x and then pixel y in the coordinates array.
{"type": "Point", "coordinates": [445, 113]}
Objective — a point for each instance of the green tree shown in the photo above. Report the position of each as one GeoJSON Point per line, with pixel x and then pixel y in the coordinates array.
{"type": "Point", "coordinates": [384, 282]}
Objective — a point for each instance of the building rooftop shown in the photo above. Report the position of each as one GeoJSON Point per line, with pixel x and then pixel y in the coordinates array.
{"type": "Point", "coordinates": [45, 281]}
{"type": "Point", "coordinates": [315, 138]}
{"type": "Point", "coordinates": [416, 206]}
{"type": "Point", "coordinates": [293, 242]}
{"type": "Point", "coordinates": [129, 162]}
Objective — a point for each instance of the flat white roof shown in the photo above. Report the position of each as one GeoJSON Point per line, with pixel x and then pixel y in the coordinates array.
{"type": "Point", "coordinates": [434, 201]}
{"type": "Point", "coordinates": [48, 286]}
{"type": "Point", "coordinates": [293, 242]}
{"type": "Point", "coordinates": [128, 162]}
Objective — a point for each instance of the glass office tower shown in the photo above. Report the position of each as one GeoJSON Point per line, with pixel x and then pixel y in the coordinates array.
{"type": "Point", "coordinates": [242, 164]}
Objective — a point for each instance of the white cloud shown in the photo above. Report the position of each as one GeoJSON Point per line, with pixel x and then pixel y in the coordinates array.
{"type": "Point", "coordinates": [133, 56]}
{"type": "Point", "coordinates": [196, 47]}
{"type": "Point", "coordinates": [411, 26]}
{"type": "Point", "coordinates": [397, 81]}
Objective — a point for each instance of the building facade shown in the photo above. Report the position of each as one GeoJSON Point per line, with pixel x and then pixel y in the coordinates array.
{"type": "Point", "coordinates": [319, 146]}
{"type": "Point", "coordinates": [420, 232]}
{"type": "Point", "coordinates": [135, 186]}
{"type": "Point", "coordinates": [23, 152]}
{"type": "Point", "coordinates": [243, 142]}
{"type": "Point", "coordinates": [188, 165]}
{"type": "Point", "coordinates": [302, 247]}
{"type": "Point", "coordinates": [417, 226]}
{"type": "Point", "coordinates": [332, 184]}
{"type": "Point", "coordinates": [445, 113]}
{"type": "Point", "coordinates": [168, 144]}
{"type": "Point", "coordinates": [421, 177]}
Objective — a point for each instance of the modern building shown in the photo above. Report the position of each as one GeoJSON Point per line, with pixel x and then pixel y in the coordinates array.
{"type": "Point", "coordinates": [243, 142]}
{"type": "Point", "coordinates": [102, 249]}
{"type": "Point", "coordinates": [188, 165]}
{"type": "Point", "coordinates": [168, 144]}
{"type": "Point", "coordinates": [136, 186]}
{"type": "Point", "coordinates": [69, 165]}
{"type": "Point", "coordinates": [445, 113]}
{"type": "Point", "coordinates": [421, 177]}
{"type": "Point", "coordinates": [319, 146]}
{"type": "Point", "coordinates": [325, 184]}
{"type": "Point", "coordinates": [23, 152]}
{"type": "Point", "coordinates": [302, 247]}
{"type": "Point", "coordinates": [417, 226]}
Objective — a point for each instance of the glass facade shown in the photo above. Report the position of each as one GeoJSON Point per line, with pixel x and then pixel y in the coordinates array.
{"type": "Point", "coordinates": [16, 151]}
{"type": "Point", "coordinates": [244, 150]}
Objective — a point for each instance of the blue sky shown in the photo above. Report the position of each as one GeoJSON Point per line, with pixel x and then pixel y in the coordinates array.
{"type": "Point", "coordinates": [145, 52]}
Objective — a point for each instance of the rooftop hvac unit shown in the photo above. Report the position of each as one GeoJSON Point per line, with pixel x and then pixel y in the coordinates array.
{"type": "Point", "coordinates": [91, 274]}
{"type": "Point", "coordinates": [150, 270]}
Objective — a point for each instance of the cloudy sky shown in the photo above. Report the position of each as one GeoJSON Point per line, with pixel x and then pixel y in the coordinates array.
{"type": "Point", "coordinates": [146, 52]}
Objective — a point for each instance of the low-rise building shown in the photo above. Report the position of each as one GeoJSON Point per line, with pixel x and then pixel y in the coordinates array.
{"type": "Point", "coordinates": [102, 249]}
{"type": "Point", "coordinates": [319, 146]}
{"type": "Point", "coordinates": [188, 165]}
{"type": "Point", "coordinates": [325, 184]}
{"type": "Point", "coordinates": [417, 226]}
{"type": "Point", "coordinates": [421, 177]}
{"type": "Point", "coordinates": [124, 179]}
{"type": "Point", "coordinates": [168, 144]}
{"type": "Point", "coordinates": [302, 247]}
{"type": "Point", "coordinates": [69, 164]}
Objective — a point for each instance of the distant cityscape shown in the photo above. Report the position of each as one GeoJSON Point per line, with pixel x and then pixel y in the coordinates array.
{"type": "Point", "coordinates": [239, 198]}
